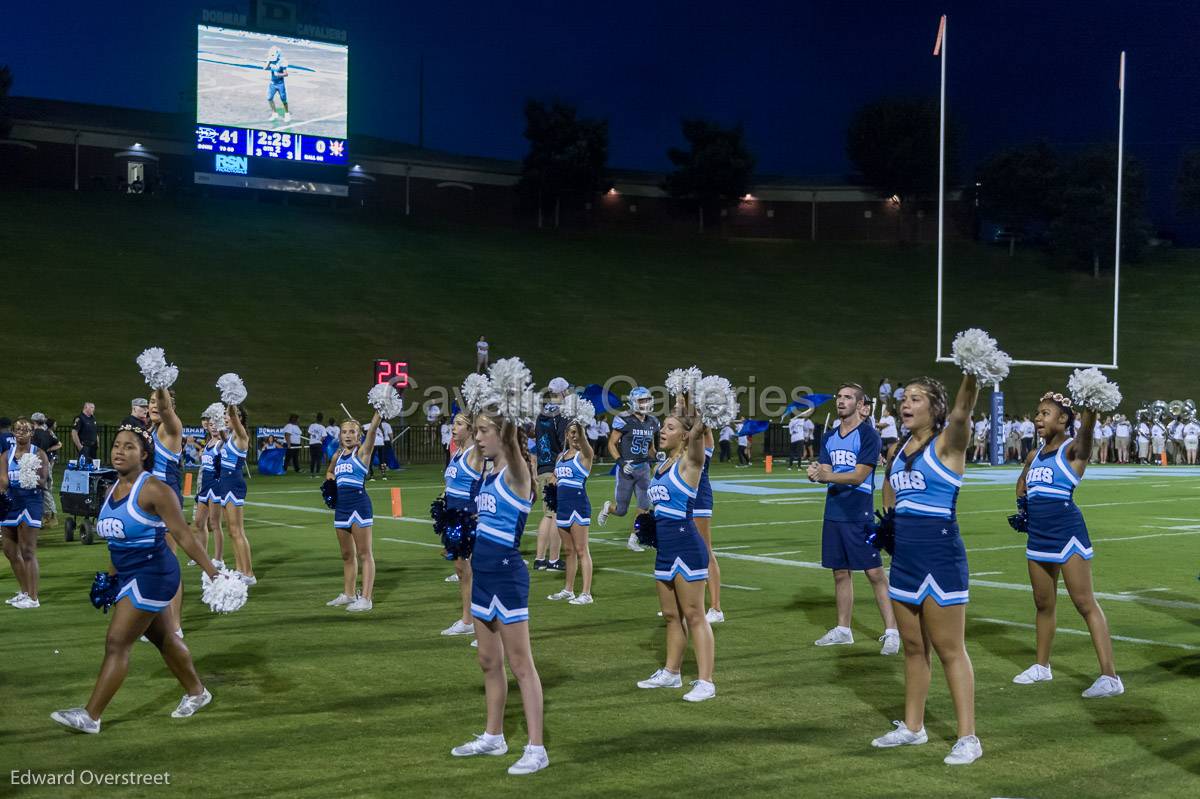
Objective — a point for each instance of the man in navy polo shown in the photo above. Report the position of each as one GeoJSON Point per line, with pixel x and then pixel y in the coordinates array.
{"type": "Point", "coordinates": [849, 453]}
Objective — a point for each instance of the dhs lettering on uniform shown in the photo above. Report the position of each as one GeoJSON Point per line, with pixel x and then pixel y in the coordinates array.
{"type": "Point", "coordinates": [843, 457]}
{"type": "Point", "coordinates": [1040, 474]}
{"type": "Point", "coordinates": [343, 468]}
{"type": "Point", "coordinates": [451, 472]}
{"type": "Point", "coordinates": [563, 472]}
{"type": "Point", "coordinates": [486, 503]}
{"type": "Point", "coordinates": [110, 528]}
{"type": "Point", "coordinates": [659, 494]}
{"type": "Point", "coordinates": [907, 481]}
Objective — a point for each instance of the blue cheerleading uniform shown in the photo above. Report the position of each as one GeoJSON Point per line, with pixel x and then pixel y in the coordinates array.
{"type": "Point", "coordinates": [147, 570]}
{"type": "Point", "coordinates": [930, 559]}
{"type": "Point", "coordinates": [25, 503]}
{"type": "Point", "coordinates": [1056, 528]}
{"type": "Point", "coordinates": [462, 482]}
{"type": "Point", "coordinates": [210, 470]}
{"type": "Point", "coordinates": [681, 550]}
{"type": "Point", "coordinates": [353, 504]}
{"type": "Point", "coordinates": [574, 507]}
{"type": "Point", "coordinates": [168, 466]}
{"type": "Point", "coordinates": [500, 579]}
{"type": "Point", "coordinates": [703, 506]}
{"type": "Point", "coordinates": [231, 484]}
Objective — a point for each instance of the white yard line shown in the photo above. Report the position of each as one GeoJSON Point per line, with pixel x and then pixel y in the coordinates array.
{"type": "Point", "coordinates": [738, 546]}
{"type": "Point", "coordinates": [776, 554]}
{"type": "Point", "coordinates": [984, 574]}
{"type": "Point", "coordinates": [414, 543]}
{"type": "Point", "coordinates": [1101, 540]}
{"type": "Point", "coordinates": [278, 524]}
{"type": "Point", "coordinates": [1126, 638]}
{"type": "Point", "coordinates": [645, 574]}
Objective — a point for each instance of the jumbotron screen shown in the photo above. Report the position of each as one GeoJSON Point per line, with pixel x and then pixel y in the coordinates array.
{"type": "Point", "coordinates": [269, 96]}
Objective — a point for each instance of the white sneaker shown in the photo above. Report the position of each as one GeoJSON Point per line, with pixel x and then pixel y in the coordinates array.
{"type": "Point", "coordinates": [271, 117]}
{"type": "Point", "coordinates": [662, 679]}
{"type": "Point", "coordinates": [1035, 673]}
{"type": "Point", "coordinates": [891, 642]}
{"type": "Point", "coordinates": [360, 605]}
{"type": "Point", "coordinates": [218, 564]}
{"type": "Point", "coordinates": [26, 603]}
{"type": "Point", "coordinates": [288, 118]}
{"type": "Point", "coordinates": [452, 578]}
{"type": "Point", "coordinates": [191, 562]}
{"type": "Point", "coordinates": [602, 519]}
{"type": "Point", "coordinates": [901, 736]}
{"type": "Point", "coordinates": [339, 600]}
{"type": "Point", "coordinates": [482, 746]}
{"type": "Point", "coordinates": [190, 704]}
{"type": "Point", "coordinates": [77, 718]}
{"type": "Point", "coordinates": [534, 759]}
{"type": "Point", "coordinates": [251, 580]}
{"type": "Point", "coordinates": [632, 544]}
{"type": "Point", "coordinates": [714, 616]}
{"type": "Point", "coordinates": [966, 750]}
{"type": "Point", "coordinates": [475, 642]}
{"type": "Point", "coordinates": [1105, 686]}
{"type": "Point", "coordinates": [563, 594]}
{"type": "Point", "coordinates": [701, 690]}
{"type": "Point", "coordinates": [459, 627]}
{"type": "Point", "coordinates": [835, 637]}
{"type": "Point", "coordinates": [582, 599]}
{"type": "Point", "coordinates": [14, 599]}
{"type": "Point", "coordinates": [179, 633]}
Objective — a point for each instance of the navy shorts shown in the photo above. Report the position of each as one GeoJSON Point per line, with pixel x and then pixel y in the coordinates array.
{"type": "Point", "coordinates": [574, 507]}
{"type": "Point", "coordinates": [150, 581]}
{"type": "Point", "coordinates": [930, 561]}
{"type": "Point", "coordinates": [703, 506]}
{"type": "Point", "coordinates": [1057, 532]}
{"type": "Point", "coordinates": [500, 590]}
{"type": "Point", "coordinates": [26, 508]}
{"type": "Point", "coordinates": [681, 551]}
{"type": "Point", "coordinates": [844, 546]}
{"type": "Point", "coordinates": [353, 507]}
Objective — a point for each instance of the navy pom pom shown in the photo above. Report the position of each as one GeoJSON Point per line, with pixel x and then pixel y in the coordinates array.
{"type": "Point", "coordinates": [645, 527]}
{"type": "Point", "coordinates": [329, 492]}
{"type": "Point", "coordinates": [882, 534]}
{"type": "Point", "coordinates": [104, 591]}
{"type": "Point", "coordinates": [550, 495]}
{"type": "Point", "coordinates": [455, 526]}
{"type": "Point", "coordinates": [1019, 521]}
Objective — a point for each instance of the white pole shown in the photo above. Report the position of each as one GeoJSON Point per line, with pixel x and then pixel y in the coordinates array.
{"type": "Point", "coordinates": [1120, 170]}
{"type": "Point", "coordinates": [941, 180]}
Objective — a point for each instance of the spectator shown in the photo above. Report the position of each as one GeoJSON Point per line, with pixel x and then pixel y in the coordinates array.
{"type": "Point", "coordinates": [446, 434]}
{"type": "Point", "coordinates": [291, 438]}
{"type": "Point", "coordinates": [1012, 439]}
{"type": "Point", "coordinates": [1106, 439]}
{"type": "Point", "coordinates": [795, 429]}
{"type": "Point", "coordinates": [316, 446]}
{"type": "Point", "coordinates": [603, 430]}
{"type": "Point", "coordinates": [1143, 441]}
{"type": "Point", "coordinates": [1175, 431]}
{"type": "Point", "coordinates": [83, 431]}
{"type": "Point", "coordinates": [432, 414]}
{"type": "Point", "coordinates": [743, 449]}
{"type": "Point", "coordinates": [885, 392]}
{"type": "Point", "coordinates": [550, 435]}
{"type": "Point", "coordinates": [481, 355]}
{"type": "Point", "coordinates": [810, 431]}
{"type": "Point", "coordinates": [1028, 431]}
{"type": "Point", "coordinates": [45, 440]}
{"type": "Point", "coordinates": [1122, 431]}
{"type": "Point", "coordinates": [593, 434]}
{"type": "Point", "coordinates": [6, 436]}
{"type": "Point", "coordinates": [383, 441]}
{"type": "Point", "coordinates": [1191, 440]}
{"type": "Point", "coordinates": [888, 435]}
{"type": "Point", "coordinates": [1158, 441]}
{"type": "Point", "coordinates": [139, 413]}
{"type": "Point", "coordinates": [898, 396]}
{"type": "Point", "coordinates": [270, 443]}
{"type": "Point", "coordinates": [724, 438]}
{"type": "Point", "coordinates": [332, 429]}
{"type": "Point", "coordinates": [981, 440]}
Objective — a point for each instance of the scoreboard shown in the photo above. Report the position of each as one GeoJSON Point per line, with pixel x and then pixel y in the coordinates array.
{"type": "Point", "coordinates": [297, 147]}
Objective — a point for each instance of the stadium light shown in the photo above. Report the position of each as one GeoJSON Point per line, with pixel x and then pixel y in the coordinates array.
{"type": "Point", "coordinates": [612, 191]}
{"type": "Point", "coordinates": [748, 197]}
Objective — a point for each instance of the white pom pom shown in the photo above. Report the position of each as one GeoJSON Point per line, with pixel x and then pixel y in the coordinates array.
{"type": "Point", "coordinates": [577, 409]}
{"type": "Point", "coordinates": [474, 391]}
{"type": "Point", "coordinates": [1091, 389]}
{"type": "Point", "coordinates": [976, 353]}
{"type": "Point", "coordinates": [233, 390]}
{"type": "Point", "coordinates": [215, 414]}
{"type": "Point", "coordinates": [511, 391]}
{"type": "Point", "coordinates": [683, 381]}
{"type": "Point", "coordinates": [715, 401]}
{"type": "Point", "coordinates": [558, 385]}
{"type": "Point", "coordinates": [385, 399]}
{"type": "Point", "coordinates": [225, 594]}
{"type": "Point", "coordinates": [156, 370]}
{"type": "Point", "coordinates": [29, 470]}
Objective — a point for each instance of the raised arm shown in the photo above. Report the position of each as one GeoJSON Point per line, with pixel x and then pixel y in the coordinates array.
{"type": "Point", "coordinates": [367, 448]}
{"type": "Point", "coordinates": [585, 446]}
{"type": "Point", "coordinates": [1081, 448]}
{"type": "Point", "coordinates": [171, 426]}
{"type": "Point", "coordinates": [515, 457]}
{"type": "Point", "coordinates": [241, 438]}
{"type": "Point", "coordinates": [952, 444]}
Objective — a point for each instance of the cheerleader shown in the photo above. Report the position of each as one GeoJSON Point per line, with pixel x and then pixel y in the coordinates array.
{"type": "Point", "coordinates": [462, 478]}
{"type": "Point", "coordinates": [166, 432]}
{"type": "Point", "coordinates": [928, 578]}
{"type": "Point", "coordinates": [353, 515]}
{"type": "Point", "coordinates": [230, 489]}
{"type": "Point", "coordinates": [1058, 536]}
{"type": "Point", "coordinates": [27, 471]}
{"type": "Point", "coordinates": [500, 587]}
{"type": "Point", "coordinates": [136, 516]}
{"type": "Point", "coordinates": [207, 515]}
{"type": "Point", "coordinates": [574, 514]}
{"type": "Point", "coordinates": [702, 515]}
{"type": "Point", "coordinates": [681, 563]}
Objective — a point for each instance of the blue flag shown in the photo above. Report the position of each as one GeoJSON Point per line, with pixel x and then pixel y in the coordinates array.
{"type": "Point", "coordinates": [806, 403]}
{"type": "Point", "coordinates": [752, 427]}
{"type": "Point", "coordinates": [604, 401]}
{"type": "Point", "coordinates": [331, 446]}
{"type": "Point", "coordinates": [270, 461]}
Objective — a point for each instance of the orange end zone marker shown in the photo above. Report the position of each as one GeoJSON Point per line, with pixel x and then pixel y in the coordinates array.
{"type": "Point", "coordinates": [187, 484]}
{"type": "Point", "coordinates": [397, 509]}
{"type": "Point", "coordinates": [768, 462]}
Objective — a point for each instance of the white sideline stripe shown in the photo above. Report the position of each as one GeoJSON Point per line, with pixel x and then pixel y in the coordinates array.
{"type": "Point", "coordinates": [785, 552]}
{"type": "Point", "coordinates": [1126, 638]}
{"type": "Point", "coordinates": [1101, 540]}
{"type": "Point", "coordinates": [279, 524]}
{"type": "Point", "coordinates": [1145, 591]}
{"type": "Point", "coordinates": [984, 574]}
{"type": "Point", "coordinates": [414, 543]}
{"type": "Point", "coordinates": [764, 524]}
{"type": "Point", "coordinates": [328, 512]}
{"type": "Point", "coordinates": [644, 574]}
{"type": "Point", "coordinates": [370, 488]}
{"type": "Point", "coordinates": [738, 546]}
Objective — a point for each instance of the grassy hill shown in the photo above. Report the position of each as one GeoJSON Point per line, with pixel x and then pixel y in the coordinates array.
{"type": "Point", "coordinates": [300, 300]}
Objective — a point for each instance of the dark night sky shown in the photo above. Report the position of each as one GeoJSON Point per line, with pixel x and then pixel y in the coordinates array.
{"type": "Point", "coordinates": [794, 72]}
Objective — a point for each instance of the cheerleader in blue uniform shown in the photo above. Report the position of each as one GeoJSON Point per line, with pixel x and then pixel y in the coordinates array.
{"type": "Point", "coordinates": [681, 565]}
{"type": "Point", "coordinates": [1058, 538]}
{"type": "Point", "coordinates": [136, 516]}
{"type": "Point", "coordinates": [24, 518]}
{"type": "Point", "coordinates": [230, 489]}
{"type": "Point", "coordinates": [574, 514]}
{"type": "Point", "coordinates": [928, 578]}
{"type": "Point", "coordinates": [500, 591]}
{"type": "Point", "coordinates": [702, 514]}
{"type": "Point", "coordinates": [207, 516]}
{"type": "Point", "coordinates": [353, 515]}
{"type": "Point", "coordinates": [166, 431]}
{"type": "Point", "coordinates": [463, 476]}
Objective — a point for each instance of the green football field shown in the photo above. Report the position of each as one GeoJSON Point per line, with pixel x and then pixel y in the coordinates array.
{"type": "Point", "coordinates": [311, 701]}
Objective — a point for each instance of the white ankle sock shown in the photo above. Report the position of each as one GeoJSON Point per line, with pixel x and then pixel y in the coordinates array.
{"type": "Point", "coordinates": [487, 736]}
{"type": "Point", "coordinates": [842, 629]}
